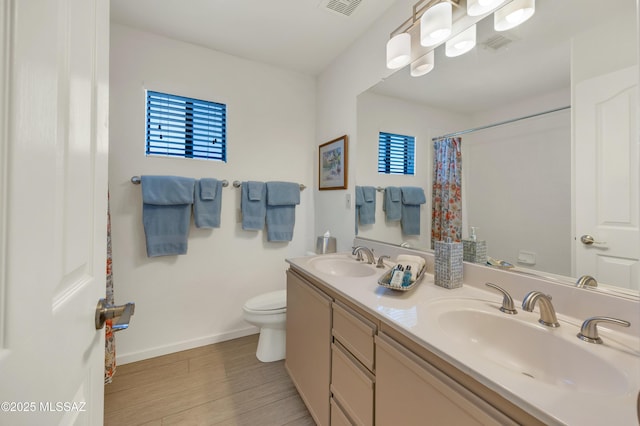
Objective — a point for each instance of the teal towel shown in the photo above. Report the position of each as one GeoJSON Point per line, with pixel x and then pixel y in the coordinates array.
{"type": "Point", "coordinates": [412, 198]}
{"type": "Point", "coordinates": [282, 198]}
{"type": "Point", "coordinates": [166, 213]}
{"type": "Point", "coordinates": [253, 205]}
{"type": "Point", "coordinates": [367, 211]}
{"type": "Point", "coordinates": [391, 203]}
{"type": "Point", "coordinates": [207, 203]}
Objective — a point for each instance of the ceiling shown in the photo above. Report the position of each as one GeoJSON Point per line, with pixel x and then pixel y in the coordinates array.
{"type": "Point", "coordinates": [306, 36]}
{"type": "Point", "coordinates": [300, 35]}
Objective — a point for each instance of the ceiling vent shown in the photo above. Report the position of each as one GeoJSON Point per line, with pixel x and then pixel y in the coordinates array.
{"type": "Point", "coordinates": [498, 41]}
{"type": "Point", "coordinates": [340, 7]}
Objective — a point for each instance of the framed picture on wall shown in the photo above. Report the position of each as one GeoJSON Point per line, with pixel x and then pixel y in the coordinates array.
{"type": "Point", "coordinates": [333, 163]}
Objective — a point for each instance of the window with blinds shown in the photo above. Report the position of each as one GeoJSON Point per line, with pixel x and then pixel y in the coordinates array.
{"type": "Point", "coordinates": [396, 154]}
{"type": "Point", "coordinates": [185, 127]}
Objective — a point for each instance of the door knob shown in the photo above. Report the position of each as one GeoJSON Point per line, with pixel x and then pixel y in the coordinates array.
{"type": "Point", "coordinates": [105, 311]}
{"type": "Point", "coordinates": [589, 240]}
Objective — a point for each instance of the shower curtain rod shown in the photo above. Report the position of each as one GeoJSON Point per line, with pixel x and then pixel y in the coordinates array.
{"type": "Point", "coordinates": [488, 126]}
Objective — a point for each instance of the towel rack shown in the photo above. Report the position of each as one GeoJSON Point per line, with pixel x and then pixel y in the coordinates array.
{"type": "Point", "coordinates": [237, 184]}
{"type": "Point", "coordinates": [136, 181]}
{"type": "Point", "coordinates": [380, 189]}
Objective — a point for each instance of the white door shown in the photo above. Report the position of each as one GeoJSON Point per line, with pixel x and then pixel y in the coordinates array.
{"type": "Point", "coordinates": [53, 198]}
{"type": "Point", "coordinates": [606, 178]}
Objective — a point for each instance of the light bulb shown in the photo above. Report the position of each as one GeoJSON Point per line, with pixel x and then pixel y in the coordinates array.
{"type": "Point", "coordinates": [399, 51]}
{"type": "Point", "coordinates": [435, 24]}
{"type": "Point", "coordinates": [513, 14]}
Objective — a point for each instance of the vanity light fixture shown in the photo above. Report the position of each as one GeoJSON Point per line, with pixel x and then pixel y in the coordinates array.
{"type": "Point", "coordinates": [462, 43]}
{"type": "Point", "coordinates": [436, 23]}
{"type": "Point", "coordinates": [399, 51]}
{"type": "Point", "coordinates": [423, 65]}
{"type": "Point", "coordinates": [513, 14]}
{"type": "Point", "coordinates": [480, 7]}
{"type": "Point", "coordinates": [433, 22]}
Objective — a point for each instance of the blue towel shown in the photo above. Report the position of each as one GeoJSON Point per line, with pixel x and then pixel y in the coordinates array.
{"type": "Point", "coordinates": [412, 197]}
{"type": "Point", "coordinates": [253, 210]}
{"type": "Point", "coordinates": [207, 203]}
{"type": "Point", "coordinates": [391, 203]}
{"type": "Point", "coordinates": [256, 191]}
{"type": "Point", "coordinates": [282, 198]}
{"type": "Point", "coordinates": [166, 213]}
{"type": "Point", "coordinates": [359, 196]}
{"type": "Point", "coordinates": [367, 211]}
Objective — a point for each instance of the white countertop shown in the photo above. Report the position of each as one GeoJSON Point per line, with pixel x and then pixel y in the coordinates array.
{"type": "Point", "coordinates": [412, 312]}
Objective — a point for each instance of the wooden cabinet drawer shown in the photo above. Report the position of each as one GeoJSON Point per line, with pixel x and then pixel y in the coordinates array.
{"type": "Point", "coordinates": [338, 417]}
{"type": "Point", "coordinates": [355, 333]}
{"type": "Point", "coordinates": [351, 386]}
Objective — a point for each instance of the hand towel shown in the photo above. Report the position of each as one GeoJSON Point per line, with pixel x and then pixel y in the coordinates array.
{"type": "Point", "coordinates": [253, 210]}
{"type": "Point", "coordinates": [256, 190]}
{"type": "Point", "coordinates": [207, 203]}
{"type": "Point", "coordinates": [367, 211]}
{"type": "Point", "coordinates": [359, 196]}
{"type": "Point", "coordinates": [391, 203]}
{"type": "Point", "coordinates": [282, 198]}
{"type": "Point", "coordinates": [412, 198]}
{"type": "Point", "coordinates": [166, 213]}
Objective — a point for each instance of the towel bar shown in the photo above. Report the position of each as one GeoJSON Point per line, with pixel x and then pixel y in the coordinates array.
{"type": "Point", "coordinates": [237, 183]}
{"type": "Point", "coordinates": [136, 181]}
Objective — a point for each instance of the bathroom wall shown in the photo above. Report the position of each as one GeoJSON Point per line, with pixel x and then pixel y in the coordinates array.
{"type": "Point", "coordinates": [196, 299]}
{"type": "Point", "coordinates": [358, 68]}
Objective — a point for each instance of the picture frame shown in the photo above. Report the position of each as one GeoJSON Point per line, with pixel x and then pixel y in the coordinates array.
{"type": "Point", "coordinates": [333, 164]}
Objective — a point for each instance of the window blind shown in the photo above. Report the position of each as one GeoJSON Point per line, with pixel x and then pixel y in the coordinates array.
{"type": "Point", "coordinates": [396, 154]}
{"type": "Point", "coordinates": [185, 127]}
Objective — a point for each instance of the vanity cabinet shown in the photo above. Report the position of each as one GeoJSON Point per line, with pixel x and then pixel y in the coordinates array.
{"type": "Point", "coordinates": [410, 391]}
{"type": "Point", "coordinates": [352, 364]}
{"type": "Point", "coordinates": [308, 346]}
{"type": "Point", "coordinates": [354, 368]}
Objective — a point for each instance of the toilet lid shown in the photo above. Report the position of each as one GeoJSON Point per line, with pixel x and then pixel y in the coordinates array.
{"type": "Point", "coordinates": [268, 301]}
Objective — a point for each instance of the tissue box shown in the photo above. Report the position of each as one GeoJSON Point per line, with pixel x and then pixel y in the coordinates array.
{"type": "Point", "coordinates": [325, 245]}
{"type": "Point", "coordinates": [448, 264]}
{"type": "Point", "coordinates": [474, 251]}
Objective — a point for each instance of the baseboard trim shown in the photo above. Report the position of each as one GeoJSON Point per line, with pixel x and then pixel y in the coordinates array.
{"type": "Point", "coordinates": [127, 358]}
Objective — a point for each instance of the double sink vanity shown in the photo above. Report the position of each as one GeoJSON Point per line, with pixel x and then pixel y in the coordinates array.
{"type": "Point", "coordinates": [360, 353]}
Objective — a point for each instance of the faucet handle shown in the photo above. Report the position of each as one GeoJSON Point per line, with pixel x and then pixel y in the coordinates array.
{"type": "Point", "coordinates": [381, 259]}
{"type": "Point", "coordinates": [589, 329]}
{"type": "Point", "coordinates": [507, 302]}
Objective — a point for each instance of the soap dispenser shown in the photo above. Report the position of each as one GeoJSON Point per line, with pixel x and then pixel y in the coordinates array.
{"type": "Point", "coordinates": [474, 250]}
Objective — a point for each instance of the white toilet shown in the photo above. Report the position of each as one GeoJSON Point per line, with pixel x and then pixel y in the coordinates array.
{"type": "Point", "coordinates": [269, 312]}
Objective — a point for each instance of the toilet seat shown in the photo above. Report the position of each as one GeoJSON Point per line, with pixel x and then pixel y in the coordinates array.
{"type": "Point", "coordinates": [269, 303]}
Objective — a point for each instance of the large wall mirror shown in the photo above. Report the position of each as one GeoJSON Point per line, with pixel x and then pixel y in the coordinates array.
{"type": "Point", "coordinates": [564, 161]}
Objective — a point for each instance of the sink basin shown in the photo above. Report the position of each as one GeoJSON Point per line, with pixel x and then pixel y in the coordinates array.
{"type": "Point", "coordinates": [342, 267]}
{"type": "Point", "coordinates": [550, 356]}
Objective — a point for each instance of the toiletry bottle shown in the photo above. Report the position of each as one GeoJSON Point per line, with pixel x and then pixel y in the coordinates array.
{"type": "Point", "coordinates": [406, 278]}
{"type": "Point", "coordinates": [474, 250]}
{"type": "Point", "coordinates": [396, 278]}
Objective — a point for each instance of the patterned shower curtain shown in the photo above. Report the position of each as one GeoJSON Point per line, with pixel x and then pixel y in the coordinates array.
{"type": "Point", "coordinates": [446, 217]}
{"type": "Point", "coordinates": [110, 344]}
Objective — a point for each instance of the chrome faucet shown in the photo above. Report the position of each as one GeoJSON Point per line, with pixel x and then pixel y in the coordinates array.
{"type": "Point", "coordinates": [358, 250]}
{"type": "Point", "coordinates": [547, 312]}
{"type": "Point", "coordinates": [589, 329]}
{"type": "Point", "coordinates": [507, 302]}
{"type": "Point", "coordinates": [381, 259]}
{"type": "Point", "coordinates": [586, 281]}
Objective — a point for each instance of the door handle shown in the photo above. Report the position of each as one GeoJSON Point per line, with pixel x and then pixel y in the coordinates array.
{"type": "Point", "coordinates": [589, 240]}
{"type": "Point", "coordinates": [105, 311]}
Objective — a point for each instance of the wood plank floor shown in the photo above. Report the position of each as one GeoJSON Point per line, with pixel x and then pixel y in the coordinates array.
{"type": "Point", "coordinates": [220, 384]}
